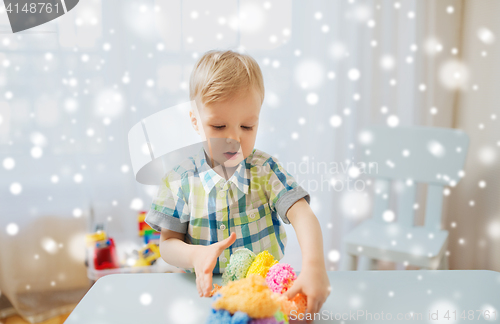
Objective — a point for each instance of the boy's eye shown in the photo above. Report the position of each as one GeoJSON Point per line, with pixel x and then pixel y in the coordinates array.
{"type": "Point", "coordinates": [222, 126]}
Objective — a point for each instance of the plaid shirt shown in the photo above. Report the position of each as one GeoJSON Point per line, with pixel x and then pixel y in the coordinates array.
{"type": "Point", "coordinates": [195, 200]}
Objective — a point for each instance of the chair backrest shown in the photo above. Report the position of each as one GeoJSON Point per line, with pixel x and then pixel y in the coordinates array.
{"type": "Point", "coordinates": [416, 154]}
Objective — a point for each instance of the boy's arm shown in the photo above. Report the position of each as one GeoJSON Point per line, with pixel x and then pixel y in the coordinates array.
{"type": "Point", "coordinates": [202, 258]}
{"type": "Point", "coordinates": [313, 279]}
{"type": "Point", "coordinates": [174, 250]}
{"type": "Point", "coordinates": [308, 231]}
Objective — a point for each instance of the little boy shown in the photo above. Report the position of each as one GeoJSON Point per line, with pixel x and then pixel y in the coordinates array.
{"type": "Point", "coordinates": [229, 195]}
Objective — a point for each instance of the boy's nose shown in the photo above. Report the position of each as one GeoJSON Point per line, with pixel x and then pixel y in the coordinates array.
{"type": "Point", "coordinates": [232, 137]}
{"type": "Point", "coordinates": [231, 141]}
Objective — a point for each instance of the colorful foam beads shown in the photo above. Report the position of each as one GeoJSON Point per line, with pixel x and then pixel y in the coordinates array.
{"type": "Point", "coordinates": [294, 306]}
{"type": "Point", "coordinates": [239, 263]}
{"type": "Point", "coordinates": [220, 316]}
{"type": "Point", "coordinates": [249, 295]}
{"type": "Point", "coordinates": [280, 277]}
{"type": "Point", "coordinates": [240, 318]}
{"type": "Point", "coordinates": [260, 266]}
{"type": "Point", "coordinates": [280, 317]}
{"type": "Point", "coordinates": [300, 301]}
{"type": "Point", "coordinates": [253, 291]}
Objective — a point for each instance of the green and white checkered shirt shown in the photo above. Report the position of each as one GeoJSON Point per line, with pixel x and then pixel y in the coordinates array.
{"type": "Point", "coordinates": [195, 200]}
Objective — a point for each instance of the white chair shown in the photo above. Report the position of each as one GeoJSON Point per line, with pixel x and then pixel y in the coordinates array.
{"type": "Point", "coordinates": [412, 155]}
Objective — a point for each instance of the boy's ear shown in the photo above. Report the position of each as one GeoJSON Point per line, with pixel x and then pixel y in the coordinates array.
{"type": "Point", "coordinates": [194, 116]}
{"type": "Point", "coordinates": [194, 121]}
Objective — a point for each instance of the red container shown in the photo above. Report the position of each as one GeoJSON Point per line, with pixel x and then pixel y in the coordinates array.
{"type": "Point", "coordinates": [105, 257]}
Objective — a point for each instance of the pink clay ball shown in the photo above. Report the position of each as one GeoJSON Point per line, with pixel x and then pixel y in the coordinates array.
{"type": "Point", "coordinates": [280, 277]}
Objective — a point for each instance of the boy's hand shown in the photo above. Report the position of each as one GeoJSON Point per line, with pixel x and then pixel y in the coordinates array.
{"type": "Point", "coordinates": [204, 261]}
{"type": "Point", "coordinates": [312, 282]}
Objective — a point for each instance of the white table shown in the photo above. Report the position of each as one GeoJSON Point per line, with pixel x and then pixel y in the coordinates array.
{"type": "Point", "coordinates": [173, 298]}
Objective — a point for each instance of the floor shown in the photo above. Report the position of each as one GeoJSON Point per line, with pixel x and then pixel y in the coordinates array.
{"type": "Point", "coordinates": [18, 320]}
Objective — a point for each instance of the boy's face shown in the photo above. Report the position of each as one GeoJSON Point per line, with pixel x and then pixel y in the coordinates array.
{"type": "Point", "coordinates": [229, 127]}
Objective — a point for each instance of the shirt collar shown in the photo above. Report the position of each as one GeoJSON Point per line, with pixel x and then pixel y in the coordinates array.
{"type": "Point", "coordinates": [209, 178]}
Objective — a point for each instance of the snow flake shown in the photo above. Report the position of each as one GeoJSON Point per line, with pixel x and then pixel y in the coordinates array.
{"type": "Point", "coordinates": [335, 121]}
{"type": "Point", "coordinates": [310, 72]}
{"type": "Point", "coordinates": [36, 152]}
{"type": "Point", "coordinates": [365, 137]}
{"type": "Point", "coordinates": [136, 204]}
{"type": "Point", "coordinates": [78, 178]}
{"type": "Point", "coordinates": [392, 121]}
{"type": "Point", "coordinates": [353, 74]}
{"type": "Point", "coordinates": [77, 212]}
{"type": "Point", "coordinates": [388, 216]}
{"type": "Point", "coordinates": [338, 51]}
{"type": "Point", "coordinates": [494, 229]}
{"type": "Point", "coordinates": [334, 256]}
{"type": "Point", "coordinates": [9, 163]}
{"type": "Point", "coordinates": [436, 148]}
{"type": "Point", "coordinates": [312, 98]}
{"type": "Point", "coordinates": [487, 155]}
{"type": "Point", "coordinates": [12, 229]}
{"type": "Point", "coordinates": [387, 62]}
{"type": "Point", "coordinates": [486, 35]}
{"type": "Point", "coordinates": [49, 245]}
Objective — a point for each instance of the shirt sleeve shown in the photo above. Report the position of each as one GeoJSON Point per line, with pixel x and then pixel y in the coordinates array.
{"type": "Point", "coordinates": [283, 190]}
{"type": "Point", "coordinates": [169, 208]}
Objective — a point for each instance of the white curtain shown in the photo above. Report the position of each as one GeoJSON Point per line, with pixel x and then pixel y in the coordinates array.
{"type": "Point", "coordinates": [72, 88]}
{"type": "Point", "coordinates": [385, 58]}
{"type": "Point", "coordinates": [474, 207]}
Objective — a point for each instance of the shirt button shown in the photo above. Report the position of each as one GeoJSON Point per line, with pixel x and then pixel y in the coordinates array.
{"type": "Point", "coordinates": [252, 215]}
{"type": "Point", "coordinates": [223, 227]}
{"type": "Point", "coordinates": [222, 194]}
{"type": "Point", "coordinates": [224, 260]}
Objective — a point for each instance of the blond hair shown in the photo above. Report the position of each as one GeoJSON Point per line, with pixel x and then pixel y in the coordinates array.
{"type": "Point", "coordinates": [218, 75]}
